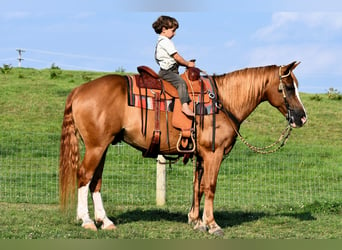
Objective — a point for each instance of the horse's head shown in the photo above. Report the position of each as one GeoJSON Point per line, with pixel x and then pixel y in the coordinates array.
{"type": "Point", "coordinates": [283, 94]}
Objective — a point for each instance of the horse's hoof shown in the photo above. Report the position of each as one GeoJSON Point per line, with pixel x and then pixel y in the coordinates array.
{"type": "Point", "coordinates": [106, 224]}
{"type": "Point", "coordinates": [90, 226]}
{"type": "Point", "coordinates": [191, 221]}
{"type": "Point", "coordinates": [200, 226]}
{"type": "Point", "coordinates": [216, 230]}
{"type": "Point", "coordinates": [110, 227]}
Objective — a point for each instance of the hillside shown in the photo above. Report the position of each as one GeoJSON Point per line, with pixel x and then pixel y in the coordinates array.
{"type": "Point", "coordinates": [33, 100]}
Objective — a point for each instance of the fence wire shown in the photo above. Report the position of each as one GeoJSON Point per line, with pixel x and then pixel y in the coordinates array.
{"type": "Point", "coordinates": [296, 175]}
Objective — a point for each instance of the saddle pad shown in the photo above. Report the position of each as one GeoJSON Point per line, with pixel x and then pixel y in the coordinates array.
{"type": "Point", "coordinates": [143, 98]}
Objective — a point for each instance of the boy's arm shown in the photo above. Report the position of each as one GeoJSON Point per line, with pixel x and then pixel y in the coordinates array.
{"type": "Point", "coordinates": [180, 60]}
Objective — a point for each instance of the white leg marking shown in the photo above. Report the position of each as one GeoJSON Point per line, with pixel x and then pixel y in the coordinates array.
{"type": "Point", "coordinates": [82, 206]}
{"type": "Point", "coordinates": [100, 214]}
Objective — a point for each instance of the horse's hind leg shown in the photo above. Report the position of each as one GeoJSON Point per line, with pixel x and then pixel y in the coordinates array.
{"type": "Point", "coordinates": [91, 161]}
{"type": "Point", "coordinates": [95, 189]}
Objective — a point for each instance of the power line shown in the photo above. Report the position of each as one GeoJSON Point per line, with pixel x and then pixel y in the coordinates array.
{"type": "Point", "coordinates": [48, 52]}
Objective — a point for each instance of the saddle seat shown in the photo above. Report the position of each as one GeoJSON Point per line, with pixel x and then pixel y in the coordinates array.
{"type": "Point", "coordinates": [151, 80]}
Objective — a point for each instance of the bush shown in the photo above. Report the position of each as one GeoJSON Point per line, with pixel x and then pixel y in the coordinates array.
{"type": "Point", "coordinates": [86, 77]}
{"type": "Point", "coordinates": [316, 97]}
{"type": "Point", "coordinates": [334, 94]}
{"type": "Point", "coordinates": [120, 70]}
{"type": "Point", "coordinates": [55, 71]}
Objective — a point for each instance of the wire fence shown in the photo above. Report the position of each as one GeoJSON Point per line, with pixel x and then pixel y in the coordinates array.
{"type": "Point", "coordinates": [296, 175]}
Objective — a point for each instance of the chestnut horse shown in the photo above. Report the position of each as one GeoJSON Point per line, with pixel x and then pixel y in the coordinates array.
{"type": "Point", "coordinates": [98, 113]}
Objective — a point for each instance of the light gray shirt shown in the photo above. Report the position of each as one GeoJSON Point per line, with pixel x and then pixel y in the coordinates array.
{"type": "Point", "coordinates": [165, 48]}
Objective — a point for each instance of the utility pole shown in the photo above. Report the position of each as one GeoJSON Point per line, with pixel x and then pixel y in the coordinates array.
{"type": "Point", "coordinates": [20, 51]}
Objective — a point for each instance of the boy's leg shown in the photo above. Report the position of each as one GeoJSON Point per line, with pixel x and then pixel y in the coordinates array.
{"type": "Point", "coordinates": [181, 87]}
{"type": "Point", "coordinates": [187, 110]}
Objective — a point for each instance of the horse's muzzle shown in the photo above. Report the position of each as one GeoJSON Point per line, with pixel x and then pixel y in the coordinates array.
{"type": "Point", "coordinates": [296, 119]}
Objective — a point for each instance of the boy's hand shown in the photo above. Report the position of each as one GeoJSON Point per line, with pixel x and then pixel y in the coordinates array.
{"type": "Point", "coordinates": [191, 64]}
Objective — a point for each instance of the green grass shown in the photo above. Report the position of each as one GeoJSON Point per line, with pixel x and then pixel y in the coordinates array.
{"type": "Point", "coordinates": [294, 193]}
{"type": "Point", "coordinates": [32, 221]}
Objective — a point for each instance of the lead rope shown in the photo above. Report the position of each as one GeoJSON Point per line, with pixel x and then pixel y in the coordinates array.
{"type": "Point", "coordinates": [265, 150]}
{"type": "Point", "coordinates": [284, 136]}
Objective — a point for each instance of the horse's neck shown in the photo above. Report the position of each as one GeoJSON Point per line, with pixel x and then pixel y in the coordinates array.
{"type": "Point", "coordinates": [239, 96]}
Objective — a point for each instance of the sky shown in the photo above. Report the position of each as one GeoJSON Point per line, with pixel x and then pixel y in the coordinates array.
{"type": "Point", "coordinates": [222, 36]}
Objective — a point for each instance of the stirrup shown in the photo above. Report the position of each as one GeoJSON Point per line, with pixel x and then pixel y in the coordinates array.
{"type": "Point", "coordinates": [186, 151]}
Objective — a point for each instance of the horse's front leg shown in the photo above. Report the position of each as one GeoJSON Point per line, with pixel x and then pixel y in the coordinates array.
{"type": "Point", "coordinates": [211, 170]}
{"type": "Point", "coordinates": [194, 214]}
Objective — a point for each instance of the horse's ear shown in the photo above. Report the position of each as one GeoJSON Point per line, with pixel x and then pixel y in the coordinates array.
{"type": "Point", "coordinates": [295, 65]}
{"type": "Point", "coordinates": [291, 66]}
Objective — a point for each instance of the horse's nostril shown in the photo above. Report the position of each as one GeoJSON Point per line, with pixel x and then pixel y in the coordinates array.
{"type": "Point", "coordinates": [303, 119]}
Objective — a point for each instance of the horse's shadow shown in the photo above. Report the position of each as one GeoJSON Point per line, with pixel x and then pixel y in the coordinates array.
{"type": "Point", "coordinates": [230, 219]}
{"type": "Point", "coordinates": [224, 218]}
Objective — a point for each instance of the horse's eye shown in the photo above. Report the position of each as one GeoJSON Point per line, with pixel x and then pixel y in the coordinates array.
{"type": "Point", "coordinates": [289, 87]}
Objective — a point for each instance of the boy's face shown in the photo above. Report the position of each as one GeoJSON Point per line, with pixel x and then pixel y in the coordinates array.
{"type": "Point", "coordinates": [169, 33]}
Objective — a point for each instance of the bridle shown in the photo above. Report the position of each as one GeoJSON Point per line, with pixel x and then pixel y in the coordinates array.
{"type": "Point", "coordinates": [281, 88]}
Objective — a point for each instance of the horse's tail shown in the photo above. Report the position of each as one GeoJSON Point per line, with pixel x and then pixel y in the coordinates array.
{"type": "Point", "coordinates": [69, 157]}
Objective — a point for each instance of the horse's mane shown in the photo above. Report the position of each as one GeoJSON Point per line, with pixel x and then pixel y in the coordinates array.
{"type": "Point", "coordinates": [244, 87]}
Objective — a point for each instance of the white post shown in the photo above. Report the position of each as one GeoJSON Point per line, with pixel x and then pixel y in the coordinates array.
{"type": "Point", "coordinates": [161, 181]}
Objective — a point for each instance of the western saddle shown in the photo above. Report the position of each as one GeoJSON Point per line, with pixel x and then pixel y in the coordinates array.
{"type": "Point", "coordinates": [201, 91]}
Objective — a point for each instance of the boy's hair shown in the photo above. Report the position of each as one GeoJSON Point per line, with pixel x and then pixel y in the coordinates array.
{"type": "Point", "coordinates": [165, 22]}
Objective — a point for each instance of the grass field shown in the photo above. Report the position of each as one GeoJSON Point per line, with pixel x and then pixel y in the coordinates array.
{"type": "Point", "coordinates": [294, 193]}
{"type": "Point", "coordinates": [33, 221]}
